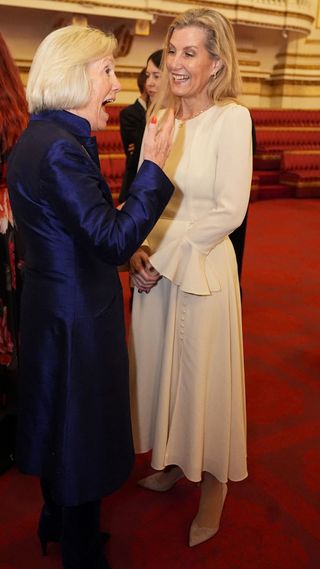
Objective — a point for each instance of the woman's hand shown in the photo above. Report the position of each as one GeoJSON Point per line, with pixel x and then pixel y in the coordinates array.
{"type": "Point", "coordinates": [158, 141]}
{"type": "Point", "coordinates": [144, 276]}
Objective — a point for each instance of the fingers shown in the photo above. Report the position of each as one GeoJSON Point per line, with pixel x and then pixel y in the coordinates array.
{"type": "Point", "coordinates": [152, 130]}
{"type": "Point", "coordinates": [164, 131]}
{"type": "Point", "coordinates": [146, 270]}
{"type": "Point", "coordinates": [139, 260]}
{"type": "Point", "coordinates": [142, 284]}
{"type": "Point", "coordinates": [158, 140]}
{"type": "Point", "coordinates": [144, 277]}
{"type": "Point", "coordinates": [152, 271]}
{"type": "Point", "coordinates": [168, 124]}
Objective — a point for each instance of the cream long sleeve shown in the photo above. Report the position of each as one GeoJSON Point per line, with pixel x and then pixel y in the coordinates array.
{"type": "Point", "coordinates": [198, 226]}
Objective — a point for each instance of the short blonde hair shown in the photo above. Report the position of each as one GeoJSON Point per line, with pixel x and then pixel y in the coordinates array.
{"type": "Point", "coordinates": [220, 44]}
{"type": "Point", "coordinates": [58, 75]}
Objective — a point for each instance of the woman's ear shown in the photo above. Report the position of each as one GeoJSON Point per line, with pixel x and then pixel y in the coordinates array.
{"type": "Point", "coordinates": [216, 66]}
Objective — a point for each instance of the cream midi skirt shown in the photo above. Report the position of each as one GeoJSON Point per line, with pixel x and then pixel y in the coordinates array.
{"type": "Point", "coordinates": [187, 376]}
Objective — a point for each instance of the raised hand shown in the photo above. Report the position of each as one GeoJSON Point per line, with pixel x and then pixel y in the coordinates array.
{"type": "Point", "coordinates": [158, 139]}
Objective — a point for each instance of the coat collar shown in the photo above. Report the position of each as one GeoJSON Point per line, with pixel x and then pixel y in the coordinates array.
{"type": "Point", "coordinates": [78, 126]}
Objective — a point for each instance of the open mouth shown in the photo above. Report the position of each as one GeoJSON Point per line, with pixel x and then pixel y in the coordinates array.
{"type": "Point", "coordinates": [179, 77]}
{"type": "Point", "coordinates": [107, 101]}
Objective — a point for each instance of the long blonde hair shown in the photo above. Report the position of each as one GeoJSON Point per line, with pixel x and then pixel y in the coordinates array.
{"type": "Point", "coordinates": [220, 44]}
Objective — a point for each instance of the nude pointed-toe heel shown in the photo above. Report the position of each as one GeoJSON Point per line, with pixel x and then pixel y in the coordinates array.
{"type": "Point", "coordinates": [199, 534]}
{"type": "Point", "coordinates": [162, 481]}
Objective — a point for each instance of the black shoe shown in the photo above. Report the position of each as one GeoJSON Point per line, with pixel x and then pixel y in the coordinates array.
{"type": "Point", "coordinates": [52, 535]}
{"type": "Point", "coordinates": [49, 529]}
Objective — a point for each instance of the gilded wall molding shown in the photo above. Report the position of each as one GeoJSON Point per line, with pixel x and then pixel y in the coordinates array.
{"type": "Point", "coordinates": [298, 55]}
{"type": "Point", "coordinates": [150, 8]}
{"type": "Point", "coordinates": [274, 82]}
{"type": "Point", "coordinates": [258, 76]}
{"type": "Point", "coordinates": [288, 66]}
{"type": "Point", "coordinates": [269, 78]}
{"type": "Point", "coordinates": [294, 82]}
{"type": "Point", "coordinates": [132, 73]}
{"type": "Point", "coordinates": [85, 7]}
{"type": "Point", "coordinates": [238, 19]}
{"type": "Point", "coordinates": [246, 50]}
{"type": "Point", "coordinates": [249, 63]}
{"type": "Point", "coordinates": [273, 26]}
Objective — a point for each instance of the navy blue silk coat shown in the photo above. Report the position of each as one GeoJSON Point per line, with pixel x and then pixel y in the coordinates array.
{"type": "Point", "coordinates": [74, 419]}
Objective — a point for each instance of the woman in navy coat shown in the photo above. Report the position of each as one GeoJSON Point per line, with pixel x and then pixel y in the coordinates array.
{"type": "Point", "coordinates": [74, 423]}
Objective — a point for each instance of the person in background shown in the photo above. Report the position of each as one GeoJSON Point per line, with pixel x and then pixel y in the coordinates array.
{"type": "Point", "coordinates": [186, 352]}
{"type": "Point", "coordinates": [13, 119]}
{"type": "Point", "coordinates": [152, 84]}
{"type": "Point", "coordinates": [133, 121]}
{"type": "Point", "coordinates": [238, 236]}
{"type": "Point", "coordinates": [153, 74]}
{"type": "Point", "coordinates": [132, 125]}
{"type": "Point", "coordinates": [74, 428]}
{"type": "Point", "coordinates": [133, 118]}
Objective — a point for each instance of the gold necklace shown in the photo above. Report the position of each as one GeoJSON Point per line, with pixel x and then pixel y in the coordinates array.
{"type": "Point", "coordinates": [193, 116]}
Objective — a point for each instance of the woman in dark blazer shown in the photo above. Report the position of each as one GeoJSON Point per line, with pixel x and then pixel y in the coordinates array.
{"type": "Point", "coordinates": [74, 422]}
{"type": "Point", "coordinates": [132, 125]}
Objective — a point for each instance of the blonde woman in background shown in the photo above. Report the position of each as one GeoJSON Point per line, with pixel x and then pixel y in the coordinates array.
{"type": "Point", "coordinates": [187, 373]}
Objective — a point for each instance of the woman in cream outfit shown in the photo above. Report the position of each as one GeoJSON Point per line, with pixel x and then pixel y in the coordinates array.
{"type": "Point", "coordinates": [187, 375]}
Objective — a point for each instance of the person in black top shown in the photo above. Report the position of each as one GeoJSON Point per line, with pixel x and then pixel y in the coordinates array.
{"type": "Point", "coordinates": [238, 236]}
{"type": "Point", "coordinates": [132, 125]}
